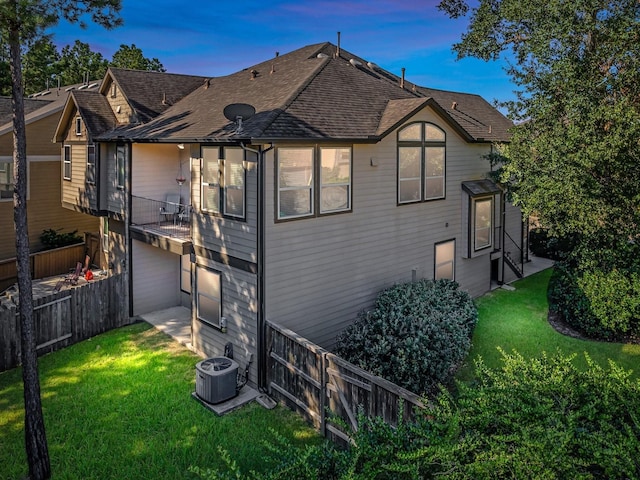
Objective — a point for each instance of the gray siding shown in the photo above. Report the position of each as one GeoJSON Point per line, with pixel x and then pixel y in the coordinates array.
{"type": "Point", "coordinates": [155, 278]}
{"type": "Point", "coordinates": [233, 238]}
{"type": "Point", "coordinates": [321, 272]}
{"type": "Point", "coordinates": [239, 307]}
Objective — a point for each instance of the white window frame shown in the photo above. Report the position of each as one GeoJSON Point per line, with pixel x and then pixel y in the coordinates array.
{"type": "Point", "coordinates": [105, 234]}
{"type": "Point", "coordinates": [203, 294]}
{"type": "Point", "coordinates": [66, 162]}
{"type": "Point", "coordinates": [427, 143]}
{"type": "Point", "coordinates": [439, 261]}
{"type": "Point", "coordinates": [114, 91]}
{"type": "Point", "coordinates": [326, 187]}
{"type": "Point", "coordinates": [78, 126]}
{"type": "Point", "coordinates": [121, 166]}
{"type": "Point", "coordinates": [206, 183]}
{"type": "Point", "coordinates": [474, 224]}
{"type": "Point", "coordinates": [91, 163]}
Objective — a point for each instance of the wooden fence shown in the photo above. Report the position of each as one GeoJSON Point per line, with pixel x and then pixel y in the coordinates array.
{"type": "Point", "coordinates": [64, 318]}
{"type": "Point", "coordinates": [43, 264]}
{"type": "Point", "coordinates": [322, 386]}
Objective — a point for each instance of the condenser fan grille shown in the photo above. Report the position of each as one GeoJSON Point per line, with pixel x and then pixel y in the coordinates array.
{"type": "Point", "coordinates": [215, 364]}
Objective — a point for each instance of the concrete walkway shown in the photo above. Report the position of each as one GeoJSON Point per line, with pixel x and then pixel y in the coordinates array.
{"type": "Point", "coordinates": [536, 264]}
{"type": "Point", "coordinates": [174, 321]}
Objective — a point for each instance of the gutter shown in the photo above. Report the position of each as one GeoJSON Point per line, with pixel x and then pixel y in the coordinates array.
{"type": "Point", "coordinates": [260, 256]}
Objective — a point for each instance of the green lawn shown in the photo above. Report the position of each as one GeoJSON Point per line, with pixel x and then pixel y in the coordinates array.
{"type": "Point", "coordinates": [517, 320]}
{"type": "Point", "coordinates": [119, 406]}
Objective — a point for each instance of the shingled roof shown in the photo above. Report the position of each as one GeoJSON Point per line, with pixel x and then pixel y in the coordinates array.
{"type": "Point", "coordinates": [95, 111]}
{"type": "Point", "coordinates": [151, 93]}
{"type": "Point", "coordinates": [313, 94]}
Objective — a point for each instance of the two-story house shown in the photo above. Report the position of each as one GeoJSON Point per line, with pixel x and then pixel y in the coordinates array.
{"type": "Point", "coordinates": [312, 181]}
{"type": "Point", "coordinates": [44, 210]}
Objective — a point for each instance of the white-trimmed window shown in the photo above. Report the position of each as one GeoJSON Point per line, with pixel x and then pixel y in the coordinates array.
{"type": "Point", "coordinates": [444, 265]}
{"type": "Point", "coordinates": [66, 162]}
{"type": "Point", "coordinates": [6, 180]}
{"type": "Point", "coordinates": [208, 296]}
{"type": "Point", "coordinates": [295, 182]}
{"type": "Point", "coordinates": [91, 164]}
{"type": "Point", "coordinates": [120, 166]}
{"type": "Point", "coordinates": [114, 90]}
{"type": "Point", "coordinates": [78, 126]}
{"type": "Point", "coordinates": [335, 179]}
{"type": "Point", "coordinates": [105, 234]}
{"type": "Point", "coordinates": [482, 223]}
{"type": "Point", "coordinates": [234, 180]}
{"type": "Point", "coordinates": [421, 163]}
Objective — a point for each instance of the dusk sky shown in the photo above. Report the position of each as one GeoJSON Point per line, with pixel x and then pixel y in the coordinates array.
{"type": "Point", "coordinates": [218, 38]}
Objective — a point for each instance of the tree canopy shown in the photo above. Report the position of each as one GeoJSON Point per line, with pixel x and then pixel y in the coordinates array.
{"type": "Point", "coordinates": [574, 158]}
{"type": "Point", "coordinates": [132, 57]}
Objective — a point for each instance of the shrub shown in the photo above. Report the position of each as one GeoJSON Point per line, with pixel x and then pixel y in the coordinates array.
{"type": "Point", "coordinates": [544, 245]}
{"type": "Point", "coordinates": [601, 304]}
{"type": "Point", "coordinates": [50, 238]}
{"type": "Point", "coordinates": [540, 418]}
{"type": "Point", "coordinates": [416, 335]}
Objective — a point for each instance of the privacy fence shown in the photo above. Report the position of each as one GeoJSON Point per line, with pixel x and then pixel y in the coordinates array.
{"type": "Point", "coordinates": [64, 318]}
{"type": "Point", "coordinates": [322, 386]}
{"type": "Point", "coordinates": [43, 264]}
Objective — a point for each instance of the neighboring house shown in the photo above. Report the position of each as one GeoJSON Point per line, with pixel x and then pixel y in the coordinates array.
{"type": "Point", "coordinates": [313, 181]}
{"type": "Point", "coordinates": [44, 210]}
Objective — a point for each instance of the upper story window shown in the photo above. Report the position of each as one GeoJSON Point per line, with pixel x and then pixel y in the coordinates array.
{"type": "Point", "coordinates": [66, 162]}
{"type": "Point", "coordinates": [78, 126]}
{"type": "Point", "coordinates": [91, 164]}
{"type": "Point", "coordinates": [6, 180]}
{"type": "Point", "coordinates": [114, 90]}
{"type": "Point", "coordinates": [300, 176]}
{"type": "Point", "coordinates": [421, 163]}
{"type": "Point", "coordinates": [120, 166]}
{"type": "Point", "coordinates": [223, 181]}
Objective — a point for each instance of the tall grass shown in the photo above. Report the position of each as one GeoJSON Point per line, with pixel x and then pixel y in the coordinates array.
{"type": "Point", "coordinates": [518, 320]}
{"type": "Point", "coordinates": [119, 406]}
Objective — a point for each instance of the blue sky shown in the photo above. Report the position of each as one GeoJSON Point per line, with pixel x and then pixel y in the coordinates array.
{"type": "Point", "coordinates": [214, 38]}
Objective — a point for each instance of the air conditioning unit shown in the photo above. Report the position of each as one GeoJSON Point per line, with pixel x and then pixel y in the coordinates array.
{"type": "Point", "coordinates": [216, 379]}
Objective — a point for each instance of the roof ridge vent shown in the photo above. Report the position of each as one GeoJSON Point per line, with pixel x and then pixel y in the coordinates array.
{"type": "Point", "coordinates": [355, 62]}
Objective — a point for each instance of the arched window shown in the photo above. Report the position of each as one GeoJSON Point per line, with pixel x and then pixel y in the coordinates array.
{"type": "Point", "coordinates": [421, 162]}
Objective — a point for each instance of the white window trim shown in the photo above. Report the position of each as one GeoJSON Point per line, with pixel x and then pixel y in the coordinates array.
{"type": "Point", "coordinates": [207, 184]}
{"type": "Point", "coordinates": [78, 126]}
{"type": "Point", "coordinates": [66, 162]}
{"type": "Point", "coordinates": [225, 164]}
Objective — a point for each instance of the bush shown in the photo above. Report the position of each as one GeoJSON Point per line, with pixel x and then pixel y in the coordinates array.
{"type": "Point", "coordinates": [601, 304]}
{"type": "Point", "coordinates": [50, 238]}
{"type": "Point", "coordinates": [531, 419]}
{"type": "Point", "coordinates": [416, 335]}
{"type": "Point", "coordinates": [543, 245]}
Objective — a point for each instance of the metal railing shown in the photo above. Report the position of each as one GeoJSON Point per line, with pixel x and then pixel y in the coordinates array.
{"type": "Point", "coordinates": [165, 218]}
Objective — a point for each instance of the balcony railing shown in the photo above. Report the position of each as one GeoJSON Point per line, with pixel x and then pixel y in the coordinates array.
{"type": "Point", "coordinates": [170, 219]}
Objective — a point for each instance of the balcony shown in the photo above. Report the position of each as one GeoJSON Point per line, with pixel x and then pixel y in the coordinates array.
{"type": "Point", "coordinates": [161, 218]}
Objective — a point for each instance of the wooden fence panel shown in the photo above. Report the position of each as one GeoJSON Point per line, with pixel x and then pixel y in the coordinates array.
{"type": "Point", "coordinates": [64, 318]}
{"type": "Point", "coordinates": [324, 387]}
{"type": "Point", "coordinates": [57, 261]}
{"type": "Point", "coordinates": [296, 373]}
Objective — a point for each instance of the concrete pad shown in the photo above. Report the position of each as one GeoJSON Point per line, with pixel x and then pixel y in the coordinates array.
{"type": "Point", "coordinates": [246, 395]}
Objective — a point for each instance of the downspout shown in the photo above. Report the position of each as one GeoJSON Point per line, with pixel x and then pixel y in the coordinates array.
{"type": "Point", "coordinates": [260, 256]}
{"type": "Point", "coordinates": [127, 223]}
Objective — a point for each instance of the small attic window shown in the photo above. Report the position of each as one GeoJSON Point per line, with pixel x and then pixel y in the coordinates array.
{"type": "Point", "coordinates": [114, 90]}
{"type": "Point", "coordinates": [78, 126]}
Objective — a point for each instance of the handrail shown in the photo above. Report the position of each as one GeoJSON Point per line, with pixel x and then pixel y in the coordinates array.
{"type": "Point", "coordinates": [167, 218]}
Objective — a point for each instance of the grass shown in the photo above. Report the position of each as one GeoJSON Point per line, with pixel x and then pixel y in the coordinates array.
{"type": "Point", "coordinates": [119, 406]}
{"type": "Point", "coordinates": [517, 320]}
